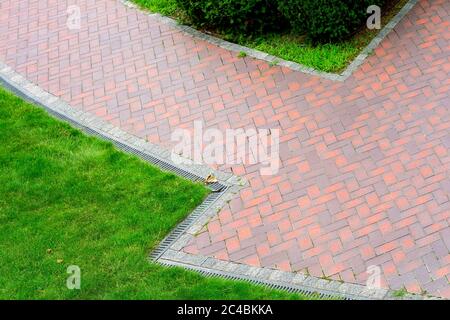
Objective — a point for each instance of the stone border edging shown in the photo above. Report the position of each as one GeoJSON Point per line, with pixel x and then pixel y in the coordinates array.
{"type": "Point", "coordinates": [353, 66]}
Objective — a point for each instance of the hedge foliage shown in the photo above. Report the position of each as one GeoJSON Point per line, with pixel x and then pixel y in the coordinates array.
{"type": "Point", "coordinates": [327, 20]}
{"type": "Point", "coordinates": [320, 20]}
{"type": "Point", "coordinates": [234, 16]}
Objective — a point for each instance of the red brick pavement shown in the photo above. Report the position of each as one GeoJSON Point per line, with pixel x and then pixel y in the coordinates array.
{"type": "Point", "coordinates": [364, 176]}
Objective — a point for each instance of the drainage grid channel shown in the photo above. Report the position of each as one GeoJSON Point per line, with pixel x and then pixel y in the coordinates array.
{"type": "Point", "coordinates": [218, 189]}
{"type": "Point", "coordinates": [312, 293]}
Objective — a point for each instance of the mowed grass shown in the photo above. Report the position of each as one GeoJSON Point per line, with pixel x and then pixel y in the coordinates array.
{"type": "Point", "coordinates": [165, 7]}
{"type": "Point", "coordinates": [69, 199]}
{"type": "Point", "coordinates": [328, 57]}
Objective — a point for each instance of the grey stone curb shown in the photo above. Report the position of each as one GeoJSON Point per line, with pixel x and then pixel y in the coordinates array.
{"type": "Point", "coordinates": [293, 282]}
{"type": "Point", "coordinates": [172, 255]}
{"type": "Point", "coordinates": [276, 279]}
{"type": "Point", "coordinates": [353, 66]}
{"type": "Point", "coordinates": [108, 130]}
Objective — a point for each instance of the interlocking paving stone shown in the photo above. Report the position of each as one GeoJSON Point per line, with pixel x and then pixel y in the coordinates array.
{"type": "Point", "coordinates": [364, 177]}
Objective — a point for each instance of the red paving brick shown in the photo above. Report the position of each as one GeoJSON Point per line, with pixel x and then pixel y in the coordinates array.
{"type": "Point", "coordinates": [364, 177]}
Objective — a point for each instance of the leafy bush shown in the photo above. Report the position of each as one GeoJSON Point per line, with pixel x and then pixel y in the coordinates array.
{"type": "Point", "coordinates": [234, 16]}
{"type": "Point", "coordinates": [326, 20]}
{"type": "Point", "coordinates": [320, 20]}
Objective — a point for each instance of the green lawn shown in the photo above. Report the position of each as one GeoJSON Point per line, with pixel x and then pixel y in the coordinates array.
{"type": "Point", "coordinates": [325, 57]}
{"type": "Point", "coordinates": [69, 199]}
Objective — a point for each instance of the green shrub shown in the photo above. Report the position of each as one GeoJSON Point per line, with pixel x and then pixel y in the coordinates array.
{"type": "Point", "coordinates": [320, 20]}
{"type": "Point", "coordinates": [234, 16]}
{"type": "Point", "coordinates": [326, 20]}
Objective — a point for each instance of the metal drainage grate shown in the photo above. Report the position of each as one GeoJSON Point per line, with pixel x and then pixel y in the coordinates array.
{"type": "Point", "coordinates": [311, 293]}
{"type": "Point", "coordinates": [175, 234]}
